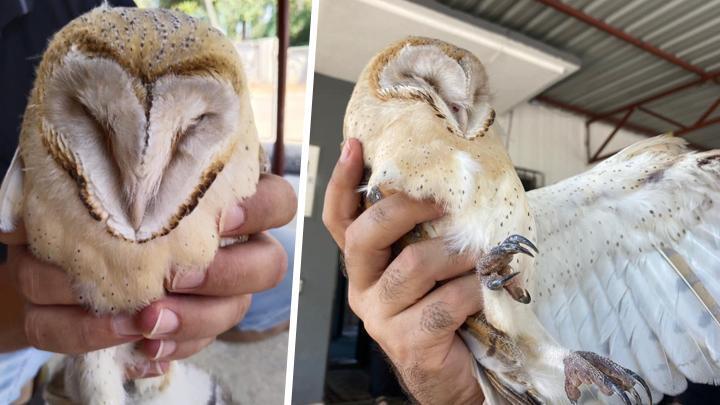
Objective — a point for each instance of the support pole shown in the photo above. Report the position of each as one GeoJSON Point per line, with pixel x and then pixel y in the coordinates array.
{"type": "Point", "coordinates": [283, 34]}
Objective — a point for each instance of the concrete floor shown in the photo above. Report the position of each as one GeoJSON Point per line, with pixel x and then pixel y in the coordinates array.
{"type": "Point", "coordinates": [254, 372]}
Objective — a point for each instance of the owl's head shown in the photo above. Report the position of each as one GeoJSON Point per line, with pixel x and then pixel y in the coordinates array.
{"type": "Point", "coordinates": [435, 80]}
{"type": "Point", "coordinates": [143, 109]}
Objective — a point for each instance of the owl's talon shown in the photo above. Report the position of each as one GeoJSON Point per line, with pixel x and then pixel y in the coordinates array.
{"type": "Point", "coordinates": [620, 393]}
{"type": "Point", "coordinates": [609, 377]}
{"type": "Point", "coordinates": [374, 195]}
{"type": "Point", "coordinates": [524, 298]}
{"type": "Point", "coordinates": [636, 396]}
{"type": "Point", "coordinates": [495, 283]}
{"type": "Point", "coordinates": [523, 240]}
{"type": "Point", "coordinates": [513, 248]}
{"type": "Point", "coordinates": [640, 381]}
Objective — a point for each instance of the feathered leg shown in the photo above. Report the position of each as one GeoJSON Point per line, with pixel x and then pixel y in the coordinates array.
{"type": "Point", "coordinates": [608, 376]}
{"type": "Point", "coordinates": [99, 377]}
{"type": "Point", "coordinates": [495, 271]}
{"type": "Point", "coordinates": [96, 378]}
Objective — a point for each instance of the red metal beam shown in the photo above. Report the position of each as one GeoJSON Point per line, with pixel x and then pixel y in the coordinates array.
{"type": "Point", "coordinates": [661, 117]}
{"type": "Point", "coordinates": [707, 112]}
{"type": "Point", "coordinates": [603, 157]}
{"type": "Point", "coordinates": [611, 120]}
{"type": "Point", "coordinates": [629, 108]}
{"type": "Point", "coordinates": [622, 35]}
{"type": "Point", "coordinates": [660, 95]}
{"type": "Point", "coordinates": [701, 125]}
{"type": "Point", "coordinates": [283, 34]}
{"type": "Point", "coordinates": [613, 133]}
{"type": "Point", "coordinates": [594, 116]}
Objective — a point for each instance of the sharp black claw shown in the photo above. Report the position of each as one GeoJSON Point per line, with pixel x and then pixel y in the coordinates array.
{"type": "Point", "coordinates": [525, 298]}
{"type": "Point", "coordinates": [636, 396]}
{"type": "Point", "coordinates": [523, 240]}
{"type": "Point", "coordinates": [523, 250]}
{"type": "Point", "coordinates": [514, 248]}
{"type": "Point", "coordinates": [618, 391]}
{"type": "Point", "coordinates": [374, 195]}
{"type": "Point", "coordinates": [641, 381]}
{"type": "Point", "coordinates": [498, 283]}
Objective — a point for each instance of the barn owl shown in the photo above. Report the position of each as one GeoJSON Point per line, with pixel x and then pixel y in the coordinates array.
{"type": "Point", "coordinates": [603, 286]}
{"type": "Point", "coordinates": [138, 133]}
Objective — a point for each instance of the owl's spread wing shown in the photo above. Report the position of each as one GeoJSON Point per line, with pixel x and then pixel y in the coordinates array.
{"type": "Point", "coordinates": [629, 263]}
{"type": "Point", "coordinates": [11, 195]}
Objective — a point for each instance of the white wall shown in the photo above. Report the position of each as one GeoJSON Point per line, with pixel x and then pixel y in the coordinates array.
{"type": "Point", "coordinates": [553, 141]}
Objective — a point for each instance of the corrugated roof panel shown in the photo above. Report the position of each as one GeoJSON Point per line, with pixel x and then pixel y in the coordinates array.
{"type": "Point", "coordinates": [615, 73]}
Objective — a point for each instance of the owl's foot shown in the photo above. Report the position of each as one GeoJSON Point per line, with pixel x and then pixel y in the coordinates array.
{"type": "Point", "coordinates": [495, 271]}
{"type": "Point", "coordinates": [608, 376]}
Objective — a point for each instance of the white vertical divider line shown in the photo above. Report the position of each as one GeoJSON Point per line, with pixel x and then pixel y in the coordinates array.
{"type": "Point", "coordinates": [289, 372]}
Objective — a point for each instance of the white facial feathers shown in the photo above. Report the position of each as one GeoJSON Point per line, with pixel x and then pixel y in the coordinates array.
{"type": "Point", "coordinates": [142, 158]}
{"type": "Point", "coordinates": [458, 87]}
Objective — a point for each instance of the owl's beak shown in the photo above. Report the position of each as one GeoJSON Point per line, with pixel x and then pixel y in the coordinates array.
{"type": "Point", "coordinates": [461, 116]}
{"type": "Point", "coordinates": [137, 212]}
{"type": "Point", "coordinates": [139, 195]}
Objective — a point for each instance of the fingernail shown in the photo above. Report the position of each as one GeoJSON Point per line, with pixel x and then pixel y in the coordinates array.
{"type": "Point", "coordinates": [125, 325]}
{"type": "Point", "coordinates": [166, 348]}
{"type": "Point", "coordinates": [167, 322]}
{"type": "Point", "coordinates": [345, 151]}
{"type": "Point", "coordinates": [187, 280]}
{"type": "Point", "coordinates": [234, 218]}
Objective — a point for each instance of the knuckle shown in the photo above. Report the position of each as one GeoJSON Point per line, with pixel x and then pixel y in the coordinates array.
{"type": "Point", "coordinates": [355, 303]}
{"type": "Point", "coordinates": [380, 216]}
{"type": "Point", "coordinates": [436, 318]}
{"type": "Point", "coordinates": [392, 283]}
{"type": "Point", "coordinates": [327, 220]}
{"type": "Point", "coordinates": [292, 202]}
{"type": "Point", "coordinates": [375, 330]}
{"type": "Point", "coordinates": [281, 264]}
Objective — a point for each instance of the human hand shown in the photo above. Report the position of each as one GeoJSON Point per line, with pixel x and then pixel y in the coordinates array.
{"type": "Point", "coordinates": [402, 303]}
{"type": "Point", "coordinates": [46, 314]}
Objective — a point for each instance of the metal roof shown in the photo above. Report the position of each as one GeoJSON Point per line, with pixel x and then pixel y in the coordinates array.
{"type": "Point", "coordinates": [677, 51]}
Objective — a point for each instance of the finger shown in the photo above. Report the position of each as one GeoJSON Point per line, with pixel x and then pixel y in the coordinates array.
{"type": "Point", "coordinates": [16, 237]}
{"type": "Point", "coordinates": [274, 204]}
{"type": "Point", "coordinates": [183, 317]}
{"type": "Point", "coordinates": [163, 350]}
{"type": "Point", "coordinates": [341, 196]}
{"type": "Point", "coordinates": [39, 282]}
{"type": "Point", "coordinates": [415, 271]}
{"type": "Point", "coordinates": [147, 369]}
{"type": "Point", "coordinates": [256, 265]}
{"type": "Point", "coordinates": [445, 309]}
{"type": "Point", "coordinates": [370, 236]}
{"type": "Point", "coordinates": [72, 330]}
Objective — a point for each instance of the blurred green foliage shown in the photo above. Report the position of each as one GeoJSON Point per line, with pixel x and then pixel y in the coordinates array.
{"type": "Point", "coordinates": [244, 18]}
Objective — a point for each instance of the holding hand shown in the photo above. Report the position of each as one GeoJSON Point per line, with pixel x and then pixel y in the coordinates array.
{"type": "Point", "coordinates": [402, 302]}
{"type": "Point", "coordinates": [44, 312]}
